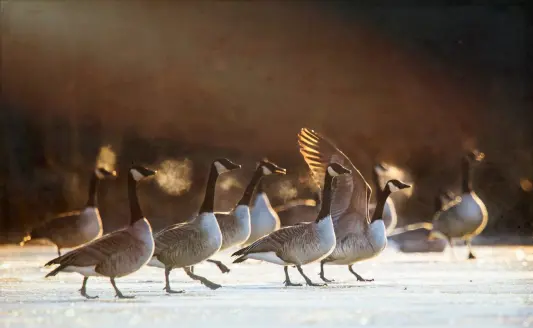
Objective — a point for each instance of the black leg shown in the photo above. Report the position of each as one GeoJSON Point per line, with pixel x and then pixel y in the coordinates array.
{"type": "Point", "coordinates": [471, 255]}
{"type": "Point", "coordinates": [223, 268]}
{"type": "Point", "coordinates": [83, 291]}
{"type": "Point", "coordinates": [359, 278]}
{"type": "Point", "coordinates": [118, 293]}
{"type": "Point", "coordinates": [58, 251]}
{"type": "Point", "coordinates": [307, 280]}
{"type": "Point", "coordinates": [287, 279]}
{"type": "Point", "coordinates": [204, 281]}
{"type": "Point", "coordinates": [452, 249]}
{"type": "Point", "coordinates": [167, 283]}
{"type": "Point", "coordinates": [322, 273]}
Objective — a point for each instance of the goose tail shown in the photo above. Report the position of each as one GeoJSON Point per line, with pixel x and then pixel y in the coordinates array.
{"type": "Point", "coordinates": [240, 259]}
{"type": "Point", "coordinates": [55, 271]}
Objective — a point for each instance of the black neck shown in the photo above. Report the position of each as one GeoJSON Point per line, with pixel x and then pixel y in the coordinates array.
{"type": "Point", "coordinates": [248, 193]}
{"type": "Point", "coordinates": [208, 205]}
{"type": "Point", "coordinates": [135, 208]}
{"type": "Point", "coordinates": [467, 175]}
{"type": "Point", "coordinates": [381, 200]}
{"type": "Point", "coordinates": [92, 201]}
{"type": "Point", "coordinates": [260, 186]}
{"type": "Point", "coordinates": [325, 209]}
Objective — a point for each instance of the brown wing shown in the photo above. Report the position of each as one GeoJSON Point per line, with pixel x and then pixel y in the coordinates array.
{"type": "Point", "coordinates": [274, 241]}
{"type": "Point", "coordinates": [96, 251]}
{"type": "Point", "coordinates": [180, 234]}
{"type": "Point", "coordinates": [64, 221]}
{"type": "Point", "coordinates": [351, 193]}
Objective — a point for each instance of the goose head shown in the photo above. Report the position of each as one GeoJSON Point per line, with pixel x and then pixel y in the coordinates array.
{"type": "Point", "coordinates": [224, 165]}
{"type": "Point", "coordinates": [335, 169]}
{"type": "Point", "coordinates": [395, 185]}
{"type": "Point", "coordinates": [139, 172]}
{"type": "Point", "coordinates": [475, 156]}
{"type": "Point", "coordinates": [102, 173]}
{"type": "Point", "coordinates": [268, 168]}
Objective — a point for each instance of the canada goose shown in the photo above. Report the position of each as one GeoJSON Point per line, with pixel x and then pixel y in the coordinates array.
{"type": "Point", "coordinates": [467, 217]}
{"type": "Point", "coordinates": [183, 245]}
{"type": "Point", "coordinates": [263, 218]}
{"type": "Point", "coordinates": [300, 244]}
{"type": "Point", "coordinates": [358, 237]}
{"type": "Point", "coordinates": [414, 237]}
{"type": "Point", "coordinates": [72, 229]}
{"type": "Point", "coordinates": [390, 218]}
{"type": "Point", "coordinates": [116, 254]}
{"type": "Point", "coordinates": [235, 225]}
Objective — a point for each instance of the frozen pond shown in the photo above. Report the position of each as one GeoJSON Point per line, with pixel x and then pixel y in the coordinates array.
{"type": "Point", "coordinates": [409, 290]}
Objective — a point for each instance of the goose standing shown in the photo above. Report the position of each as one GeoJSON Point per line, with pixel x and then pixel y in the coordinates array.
{"type": "Point", "coordinates": [358, 237]}
{"type": "Point", "coordinates": [235, 225]}
{"type": "Point", "coordinates": [263, 218]}
{"type": "Point", "coordinates": [467, 217]}
{"type": "Point", "coordinates": [300, 244]}
{"type": "Point", "coordinates": [117, 254]}
{"type": "Point", "coordinates": [72, 229]}
{"type": "Point", "coordinates": [390, 217]}
{"type": "Point", "coordinates": [185, 244]}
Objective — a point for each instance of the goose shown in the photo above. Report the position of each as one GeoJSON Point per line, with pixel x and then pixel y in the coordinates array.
{"type": "Point", "coordinates": [263, 218]}
{"type": "Point", "coordinates": [414, 237]}
{"type": "Point", "coordinates": [300, 244]}
{"type": "Point", "coordinates": [390, 218]}
{"type": "Point", "coordinates": [183, 245]}
{"type": "Point", "coordinates": [464, 218]}
{"type": "Point", "coordinates": [235, 225]}
{"type": "Point", "coordinates": [72, 229]}
{"type": "Point", "coordinates": [358, 237]}
{"type": "Point", "coordinates": [117, 254]}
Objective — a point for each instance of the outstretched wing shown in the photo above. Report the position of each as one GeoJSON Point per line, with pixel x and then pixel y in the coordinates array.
{"type": "Point", "coordinates": [96, 251]}
{"type": "Point", "coordinates": [351, 193]}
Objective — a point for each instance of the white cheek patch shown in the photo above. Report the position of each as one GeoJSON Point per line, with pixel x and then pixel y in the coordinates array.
{"type": "Point", "coordinates": [220, 168]}
{"type": "Point", "coordinates": [392, 187]}
{"type": "Point", "coordinates": [136, 174]}
{"type": "Point", "coordinates": [99, 174]}
{"type": "Point", "coordinates": [332, 172]}
{"type": "Point", "coordinates": [266, 170]}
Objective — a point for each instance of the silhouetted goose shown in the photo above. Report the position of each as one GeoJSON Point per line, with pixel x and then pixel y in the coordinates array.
{"type": "Point", "coordinates": [235, 225]}
{"type": "Point", "coordinates": [300, 244]}
{"type": "Point", "coordinates": [117, 254]}
{"type": "Point", "coordinates": [72, 229]}
{"type": "Point", "coordinates": [467, 217]}
{"type": "Point", "coordinates": [358, 236]}
{"type": "Point", "coordinates": [185, 244]}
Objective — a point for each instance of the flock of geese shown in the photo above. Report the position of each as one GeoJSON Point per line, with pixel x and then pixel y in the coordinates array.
{"type": "Point", "coordinates": [345, 228]}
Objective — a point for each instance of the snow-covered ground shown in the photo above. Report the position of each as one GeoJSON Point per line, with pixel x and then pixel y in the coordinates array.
{"type": "Point", "coordinates": [422, 290]}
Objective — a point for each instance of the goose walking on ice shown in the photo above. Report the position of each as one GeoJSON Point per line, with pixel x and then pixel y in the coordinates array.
{"type": "Point", "coordinates": [465, 218]}
{"type": "Point", "coordinates": [300, 244]}
{"type": "Point", "coordinates": [358, 237]}
{"type": "Point", "coordinates": [72, 229]}
{"type": "Point", "coordinates": [183, 245]}
{"type": "Point", "coordinates": [117, 254]}
{"type": "Point", "coordinates": [235, 225]}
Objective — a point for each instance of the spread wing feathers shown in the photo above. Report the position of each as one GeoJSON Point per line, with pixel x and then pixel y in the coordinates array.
{"type": "Point", "coordinates": [351, 192]}
{"type": "Point", "coordinates": [179, 236]}
{"type": "Point", "coordinates": [274, 241]}
{"type": "Point", "coordinates": [96, 251]}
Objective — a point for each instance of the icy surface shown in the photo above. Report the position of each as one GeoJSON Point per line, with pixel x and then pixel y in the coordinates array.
{"type": "Point", "coordinates": [410, 290]}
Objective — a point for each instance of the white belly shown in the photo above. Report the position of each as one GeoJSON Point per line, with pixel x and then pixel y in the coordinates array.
{"type": "Point", "coordinates": [267, 257]}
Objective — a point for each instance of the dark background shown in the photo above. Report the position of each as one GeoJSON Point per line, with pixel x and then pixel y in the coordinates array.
{"type": "Point", "coordinates": [415, 86]}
